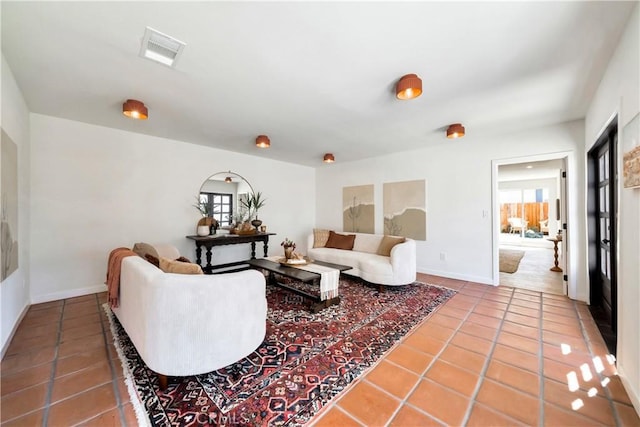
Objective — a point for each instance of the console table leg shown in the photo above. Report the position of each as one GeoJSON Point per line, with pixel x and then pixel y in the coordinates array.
{"type": "Point", "coordinates": [265, 246]}
{"type": "Point", "coordinates": [253, 250]}
{"type": "Point", "coordinates": [209, 258]}
{"type": "Point", "coordinates": [198, 254]}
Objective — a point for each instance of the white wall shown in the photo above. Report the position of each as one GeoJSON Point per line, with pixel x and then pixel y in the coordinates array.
{"type": "Point", "coordinates": [14, 290]}
{"type": "Point", "coordinates": [96, 188]}
{"type": "Point", "coordinates": [459, 194]}
{"type": "Point", "coordinates": [619, 92]}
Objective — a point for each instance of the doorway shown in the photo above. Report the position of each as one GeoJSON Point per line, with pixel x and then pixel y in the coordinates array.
{"type": "Point", "coordinates": [529, 220]}
{"type": "Point", "coordinates": [602, 218]}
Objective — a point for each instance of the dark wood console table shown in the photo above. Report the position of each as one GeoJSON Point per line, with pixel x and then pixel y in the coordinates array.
{"type": "Point", "coordinates": [227, 239]}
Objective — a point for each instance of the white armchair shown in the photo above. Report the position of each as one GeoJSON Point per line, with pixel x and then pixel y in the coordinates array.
{"type": "Point", "coordinates": [190, 324]}
{"type": "Point", "coordinates": [517, 224]}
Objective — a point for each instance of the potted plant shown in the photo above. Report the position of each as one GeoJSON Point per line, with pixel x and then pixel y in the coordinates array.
{"type": "Point", "coordinates": [207, 224]}
{"type": "Point", "coordinates": [253, 203]}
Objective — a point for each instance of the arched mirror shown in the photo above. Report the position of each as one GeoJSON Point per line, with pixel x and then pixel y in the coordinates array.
{"type": "Point", "coordinates": [221, 197]}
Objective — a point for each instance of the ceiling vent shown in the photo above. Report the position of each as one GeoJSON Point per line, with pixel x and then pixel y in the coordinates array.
{"type": "Point", "coordinates": [161, 47]}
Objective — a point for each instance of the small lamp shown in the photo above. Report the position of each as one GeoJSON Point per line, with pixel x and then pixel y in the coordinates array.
{"type": "Point", "coordinates": [409, 87]}
{"type": "Point", "coordinates": [262, 141]}
{"type": "Point", "coordinates": [135, 109]}
{"type": "Point", "coordinates": [455, 130]}
{"type": "Point", "coordinates": [228, 179]}
{"type": "Point", "coordinates": [329, 158]}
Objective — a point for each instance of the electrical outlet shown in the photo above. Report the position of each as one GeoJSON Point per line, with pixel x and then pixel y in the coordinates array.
{"type": "Point", "coordinates": [443, 256]}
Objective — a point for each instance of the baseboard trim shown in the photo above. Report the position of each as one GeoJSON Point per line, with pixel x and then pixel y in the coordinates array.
{"type": "Point", "coordinates": [77, 292]}
{"type": "Point", "coordinates": [468, 278]}
{"type": "Point", "coordinates": [628, 386]}
{"type": "Point", "coordinates": [5, 347]}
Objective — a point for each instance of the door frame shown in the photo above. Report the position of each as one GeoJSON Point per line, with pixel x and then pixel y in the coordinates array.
{"type": "Point", "coordinates": [570, 251]}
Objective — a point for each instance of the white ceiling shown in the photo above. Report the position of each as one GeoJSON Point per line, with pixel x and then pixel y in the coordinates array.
{"type": "Point", "coordinates": [314, 77]}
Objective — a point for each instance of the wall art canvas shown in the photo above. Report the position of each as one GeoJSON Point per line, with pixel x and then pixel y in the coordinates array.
{"type": "Point", "coordinates": [9, 194]}
{"type": "Point", "coordinates": [631, 158]}
{"type": "Point", "coordinates": [358, 209]}
{"type": "Point", "coordinates": [404, 209]}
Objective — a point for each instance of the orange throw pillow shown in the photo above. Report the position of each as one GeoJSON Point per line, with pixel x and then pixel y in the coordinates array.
{"type": "Point", "coordinates": [387, 244]}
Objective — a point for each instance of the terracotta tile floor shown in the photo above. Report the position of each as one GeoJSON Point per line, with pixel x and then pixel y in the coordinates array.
{"type": "Point", "coordinates": [489, 356]}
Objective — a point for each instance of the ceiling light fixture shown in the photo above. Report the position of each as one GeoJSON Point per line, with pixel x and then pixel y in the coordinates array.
{"type": "Point", "coordinates": [455, 130]}
{"type": "Point", "coordinates": [329, 158]}
{"type": "Point", "coordinates": [262, 141]}
{"type": "Point", "coordinates": [135, 109]}
{"type": "Point", "coordinates": [228, 179]}
{"type": "Point", "coordinates": [409, 87]}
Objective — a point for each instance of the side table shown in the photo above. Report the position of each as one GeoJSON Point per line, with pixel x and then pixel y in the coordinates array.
{"type": "Point", "coordinates": [555, 241]}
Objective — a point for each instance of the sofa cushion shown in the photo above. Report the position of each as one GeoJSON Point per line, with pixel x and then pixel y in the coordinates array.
{"type": "Point", "coordinates": [320, 237]}
{"type": "Point", "coordinates": [387, 243]}
{"type": "Point", "coordinates": [179, 267]}
{"type": "Point", "coordinates": [340, 241]}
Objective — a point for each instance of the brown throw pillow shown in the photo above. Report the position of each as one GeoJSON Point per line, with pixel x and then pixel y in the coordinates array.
{"type": "Point", "coordinates": [169, 266]}
{"type": "Point", "coordinates": [153, 260]}
{"type": "Point", "coordinates": [320, 237]}
{"type": "Point", "coordinates": [340, 241]}
{"type": "Point", "coordinates": [387, 243]}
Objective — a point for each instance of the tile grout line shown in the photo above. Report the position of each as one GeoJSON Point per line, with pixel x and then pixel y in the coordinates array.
{"type": "Point", "coordinates": [485, 367]}
{"type": "Point", "coordinates": [614, 410]}
{"type": "Point", "coordinates": [114, 378]}
{"type": "Point", "coordinates": [47, 401]}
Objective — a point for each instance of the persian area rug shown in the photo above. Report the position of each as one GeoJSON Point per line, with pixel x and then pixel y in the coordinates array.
{"type": "Point", "coordinates": [510, 260]}
{"type": "Point", "coordinates": [305, 360]}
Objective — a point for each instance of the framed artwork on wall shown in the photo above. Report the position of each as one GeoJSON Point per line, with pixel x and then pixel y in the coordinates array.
{"type": "Point", "coordinates": [631, 157]}
{"type": "Point", "coordinates": [358, 209]}
{"type": "Point", "coordinates": [405, 212]}
{"type": "Point", "coordinates": [9, 194]}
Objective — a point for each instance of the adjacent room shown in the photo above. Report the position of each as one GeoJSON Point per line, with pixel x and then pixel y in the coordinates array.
{"type": "Point", "coordinates": [320, 213]}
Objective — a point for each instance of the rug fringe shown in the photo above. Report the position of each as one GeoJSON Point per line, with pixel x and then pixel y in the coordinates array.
{"type": "Point", "coordinates": [141, 413]}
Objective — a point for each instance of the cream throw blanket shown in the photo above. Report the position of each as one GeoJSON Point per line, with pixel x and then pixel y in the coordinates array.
{"type": "Point", "coordinates": [328, 277]}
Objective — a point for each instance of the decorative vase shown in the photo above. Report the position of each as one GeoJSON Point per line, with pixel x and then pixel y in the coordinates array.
{"type": "Point", "coordinates": [256, 223]}
{"type": "Point", "coordinates": [288, 252]}
{"type": "Point", "coordinates": [203, 230]}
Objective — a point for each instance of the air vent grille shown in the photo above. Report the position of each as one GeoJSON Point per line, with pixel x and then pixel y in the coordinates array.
{"type": "Point", "coordinates": [160, 47]}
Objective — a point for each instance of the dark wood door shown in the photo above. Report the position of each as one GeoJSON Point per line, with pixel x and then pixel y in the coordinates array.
{"type": "Point", "coordinates": [602, 235]}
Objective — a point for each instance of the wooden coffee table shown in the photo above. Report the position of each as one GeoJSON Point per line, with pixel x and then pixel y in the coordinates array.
{"type": "Point", "coordinates": [275, 269]}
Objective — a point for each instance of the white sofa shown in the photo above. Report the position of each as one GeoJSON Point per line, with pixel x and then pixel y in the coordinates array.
{"type": "Point", "coordinates": [185, 324]}
{"type": "Point", "coordinates": [395, 270]}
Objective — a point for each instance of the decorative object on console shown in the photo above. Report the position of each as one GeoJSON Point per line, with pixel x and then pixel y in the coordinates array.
{"type": "Point", "coordinates": [289, 246]}
{"type": "Point", "coordinates": [455, 130]}
{"type": "Point", "coordinates": [135, 109]}
{"type": "Point", "coordinates": [252, 203]}
{"type": "Point", "coordinates": [301, 384]}
{"type": "Point", "coordinates": [409, 87]}
{"type": "Point", "coordinates": [203, 230]}
{"type": "Point", "coordinates": [262, 141]}
{"type": "Point", "coordinates": [329, 158]}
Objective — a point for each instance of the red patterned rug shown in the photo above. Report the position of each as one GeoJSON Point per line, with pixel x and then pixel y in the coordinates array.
{"type": "Point", "coordinates": [305, 360]}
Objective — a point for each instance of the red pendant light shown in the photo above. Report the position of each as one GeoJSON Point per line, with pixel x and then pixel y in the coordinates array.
{"type": "Point", "coordinates": [135, 109]}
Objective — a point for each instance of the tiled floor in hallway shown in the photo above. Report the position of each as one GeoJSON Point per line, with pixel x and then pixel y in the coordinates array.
{"type": "Point", "coordinates": [489, 356]}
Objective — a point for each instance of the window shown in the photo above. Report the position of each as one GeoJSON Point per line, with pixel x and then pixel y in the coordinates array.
{"type": "Point", "coordinates": [221, 204]}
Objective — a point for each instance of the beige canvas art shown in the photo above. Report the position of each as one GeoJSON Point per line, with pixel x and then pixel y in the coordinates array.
{"type": "Point", "coordinates": [358, 209]}
{"type": "Point", "coordinates": [631, 158]}
{"type": "Point", "coordinates": [404, 209]}
{"type": "Point", "coordinates": [9, 194]}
